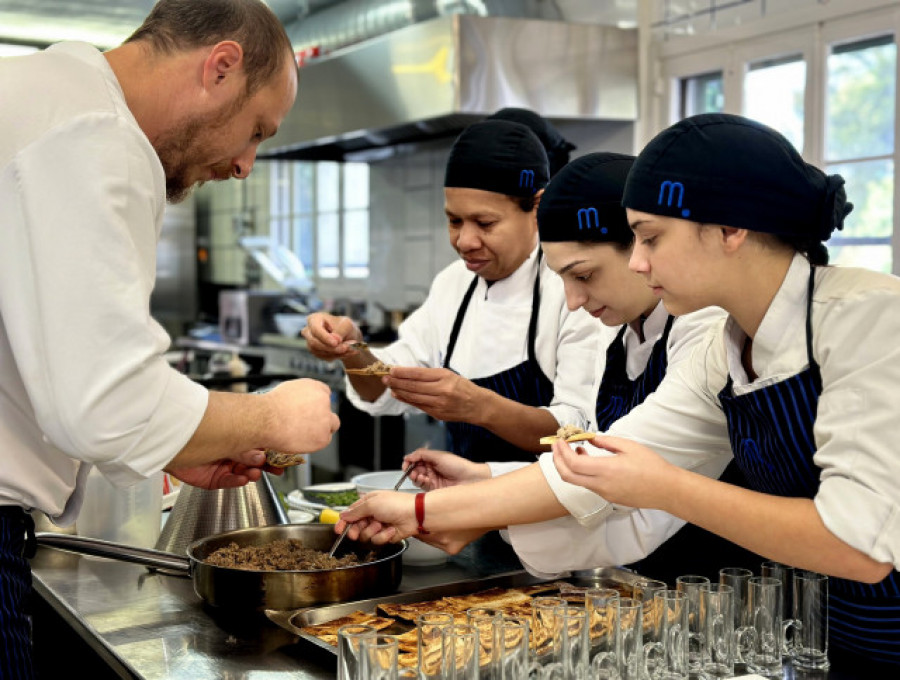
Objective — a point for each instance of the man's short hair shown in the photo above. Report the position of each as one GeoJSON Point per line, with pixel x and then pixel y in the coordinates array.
{"type": "Point", "coordinates": [175, 25]}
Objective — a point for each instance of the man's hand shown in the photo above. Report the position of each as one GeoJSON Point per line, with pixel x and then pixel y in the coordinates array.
{"type": "Point", "coordinates": [303, 421]}
{"type": "Point", "coordinates": [225, 474]}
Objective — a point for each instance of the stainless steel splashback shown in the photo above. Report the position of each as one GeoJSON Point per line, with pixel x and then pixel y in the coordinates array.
{"type": "Point", "coordinates": [431, 79]}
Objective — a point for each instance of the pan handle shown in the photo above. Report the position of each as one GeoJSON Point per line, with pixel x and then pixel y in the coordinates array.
{"type": "Point", "coordinates": [115, 551]}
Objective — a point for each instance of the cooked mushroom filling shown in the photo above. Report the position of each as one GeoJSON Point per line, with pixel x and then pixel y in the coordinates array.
{"type": "Point", "coordinates": [567, 431]}
{"type": "Point", "coordinates": [282, 555]}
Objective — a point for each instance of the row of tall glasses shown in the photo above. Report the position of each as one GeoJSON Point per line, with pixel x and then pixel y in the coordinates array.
{"type": "Point", "coordinates": [699, 629]}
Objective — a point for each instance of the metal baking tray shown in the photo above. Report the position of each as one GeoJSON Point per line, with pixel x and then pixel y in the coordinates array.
{"type": "Point", "coordinates": [294, 620]}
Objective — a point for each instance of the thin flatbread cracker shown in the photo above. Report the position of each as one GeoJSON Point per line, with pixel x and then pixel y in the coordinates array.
{"type": "Point", "coordinates": [377, 368]}
{"type": "Point", "coordinates": [366, 371]}
{"type": "Point", "coordinates": [581, 437]}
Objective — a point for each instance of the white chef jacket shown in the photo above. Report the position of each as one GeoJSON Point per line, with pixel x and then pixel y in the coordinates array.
{"type": "Point", "coordinates": [82, 377]}
{"type": "Point", "coordinates": [627, 534]}
{"type": "Point", "coordinates": [855, 329]}
{"type": "Point", "coordinates": [494, 337]}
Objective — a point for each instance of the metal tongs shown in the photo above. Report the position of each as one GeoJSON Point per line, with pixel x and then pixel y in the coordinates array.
{"type": "Point", "coordinates": [340, 538]}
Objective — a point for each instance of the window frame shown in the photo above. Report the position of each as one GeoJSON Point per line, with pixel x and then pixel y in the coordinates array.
{"type": "Point", "coordinates": [809, 33]}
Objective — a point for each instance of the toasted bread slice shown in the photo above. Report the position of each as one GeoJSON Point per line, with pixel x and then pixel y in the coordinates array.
{"type": "Point", "coordinates": [321, 630]}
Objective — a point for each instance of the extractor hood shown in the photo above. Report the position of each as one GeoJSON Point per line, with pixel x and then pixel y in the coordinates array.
{"type": "Point", "coordinates": [431, 79]}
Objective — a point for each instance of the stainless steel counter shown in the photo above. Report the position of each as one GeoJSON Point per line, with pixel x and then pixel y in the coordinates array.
{"type": "Point", "coordinates": [149, 625]}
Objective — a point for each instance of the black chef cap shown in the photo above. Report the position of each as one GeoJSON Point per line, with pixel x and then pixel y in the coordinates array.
{"type": "Point", "coordinates": [499, 156]}
{"type": "Point", "coordinates": [584, 201]}
{"type": "Point", "coordinates": [725, 169]}
{"type": "Point", "coordinates": [556, 146]}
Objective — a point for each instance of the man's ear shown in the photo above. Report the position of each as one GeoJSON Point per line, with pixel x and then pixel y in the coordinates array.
{"type": "Point", "coordinates": [222, 63]}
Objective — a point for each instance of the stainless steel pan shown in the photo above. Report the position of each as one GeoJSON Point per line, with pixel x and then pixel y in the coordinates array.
{"type": "Point", "coordinates": [244, 589]}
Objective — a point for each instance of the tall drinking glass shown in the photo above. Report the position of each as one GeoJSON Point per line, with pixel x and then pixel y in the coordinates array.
{"type": "Point", "coordinates": [572, 640]}
{"type": "Point", "coordinates": [461, 652]}
{"type": "Point", "coordinates": [759, 641]}
{"type": "Point", "coordinates": [603, 625]}
{"type": "Point", "coordinates": [430, 627]}
{"type": "Point", "coordinates": [513, 649]}
{"type": "Point", "coordinates": [349, 642]}
{"type": "Point", "coordinates": [717, 626]}
{"type": "Point", "coordinates": [690, 585]}
{"type": "Point", "coordinates": [809, 648]}
{"type": "Point", "coordinates": [487, 621]}
{"type": "Point", "coordinates": [666, 653]}
{"type": "Point", "coordinates": [645, 590]}
{"type": "Point", "coordinates": [380, 656]}
{"type": "Point", "coordinates": [543, 626]}
{"type": "Point", "coordinates": [785, 574]}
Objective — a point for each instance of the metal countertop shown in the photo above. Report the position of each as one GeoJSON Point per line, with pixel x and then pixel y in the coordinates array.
{"type": "Point", "coordinates": [150, 625]}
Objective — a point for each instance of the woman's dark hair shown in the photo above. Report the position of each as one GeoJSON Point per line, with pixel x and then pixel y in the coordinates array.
{"type": "Point", "coordinates": [814, 250]}
{"type": "Point", "coordinates": [177, 25]}
{"type": "Point", "coordinates": [526, 203]}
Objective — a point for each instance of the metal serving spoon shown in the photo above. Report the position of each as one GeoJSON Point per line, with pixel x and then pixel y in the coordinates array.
{"type": "Point", "coordinates": [340, 538]}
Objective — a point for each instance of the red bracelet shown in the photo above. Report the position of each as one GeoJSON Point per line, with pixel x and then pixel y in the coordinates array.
{"type": "Point", "coordinates": [420, 513]}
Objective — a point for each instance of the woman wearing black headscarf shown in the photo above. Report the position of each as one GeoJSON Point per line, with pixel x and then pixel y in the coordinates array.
{"type": "Point", "coordinates": [492, 351]}
{"type": "Point", "coordinates": [558, 148]}
{"type": "Point", "coordinates": [803, 378]}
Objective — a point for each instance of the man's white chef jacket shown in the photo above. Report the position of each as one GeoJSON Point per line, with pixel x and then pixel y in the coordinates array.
{"type": "Point", "coordinates": [82, 378]}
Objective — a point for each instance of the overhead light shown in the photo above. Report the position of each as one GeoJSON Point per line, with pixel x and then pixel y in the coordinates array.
{"type": "Point", "coordinates": [7, 50]}
{"type": "Point", "coordinates": [23, 29]}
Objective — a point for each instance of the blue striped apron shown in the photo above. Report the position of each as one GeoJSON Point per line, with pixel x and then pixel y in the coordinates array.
{"type": "Point", "coordinates": [771, 433]}
{"type": "Point", "coordinates": [16, 544]}
{"type": "Point", "coordinates": [617, 394]}
{"type": "Point", "coordinates": [524, 383]}
{"type": "Point", "coordinates": [691, 550]}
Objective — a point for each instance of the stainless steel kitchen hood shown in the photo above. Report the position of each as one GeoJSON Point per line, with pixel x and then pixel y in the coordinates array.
{"type": "Point", "coordinates": [431, 79]}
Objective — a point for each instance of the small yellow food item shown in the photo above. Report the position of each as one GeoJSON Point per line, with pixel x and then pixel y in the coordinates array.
{"type": "Point", "coordinates": [570, 433]}
{"type": "Point", "coordinates": [329, 516]}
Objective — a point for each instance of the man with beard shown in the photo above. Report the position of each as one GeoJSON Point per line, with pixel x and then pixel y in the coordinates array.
{"type": "Point", "coordinates": [91, 145]}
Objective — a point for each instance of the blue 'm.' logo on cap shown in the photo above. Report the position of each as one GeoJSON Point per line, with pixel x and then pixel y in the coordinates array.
{"type": "Point", "coordinates": [526, 179]}
{"type": "Point", "coordinates": [672, 187]}
{"type": "Point", "coordinates": [588, 218]}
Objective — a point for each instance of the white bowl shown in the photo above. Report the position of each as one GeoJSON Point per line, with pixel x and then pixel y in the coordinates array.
{"type": "Point", "coordinates": [290, 325]}
{"type": "Point", "coordinates": [381, 481]}
{"type": "Point", "coordinates": [418, 553]}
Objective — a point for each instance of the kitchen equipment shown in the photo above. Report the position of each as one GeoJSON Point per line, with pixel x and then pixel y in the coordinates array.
{"type": "Point", "coordinates": [199, 513]}
{"type": "Point", "coordinates": [290, 324]}
{"type": "Point", "coordinates": [244, 315]}
{"type": "Point", "coordinates": [347, 528]}
{"type": "Point", "coordinates": [244, 589]}
{"type": "Point", "coordinates": [454, 70]}
{"type": "Point", "coordinates": [124, 514]}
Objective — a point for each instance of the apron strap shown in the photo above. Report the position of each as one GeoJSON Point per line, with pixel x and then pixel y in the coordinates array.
{"type": "Point", "coordinates": [457, 323]}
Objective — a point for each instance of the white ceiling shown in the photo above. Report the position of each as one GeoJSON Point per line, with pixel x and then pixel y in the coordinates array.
{"type": "Point", "coordinates": [106, 23]}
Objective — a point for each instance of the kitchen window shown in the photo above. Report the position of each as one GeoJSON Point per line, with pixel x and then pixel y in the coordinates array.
{"type": "Point", "coordinates": [860, 112]}
{"type": "Point", "coordinates": [702, 94]}
{"type": "Point", "coordinates": [829, 87]}
{"type": "Point", "coordinates": [320, 210]}
{"type": "Point", "coordinates": [774, 91]}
